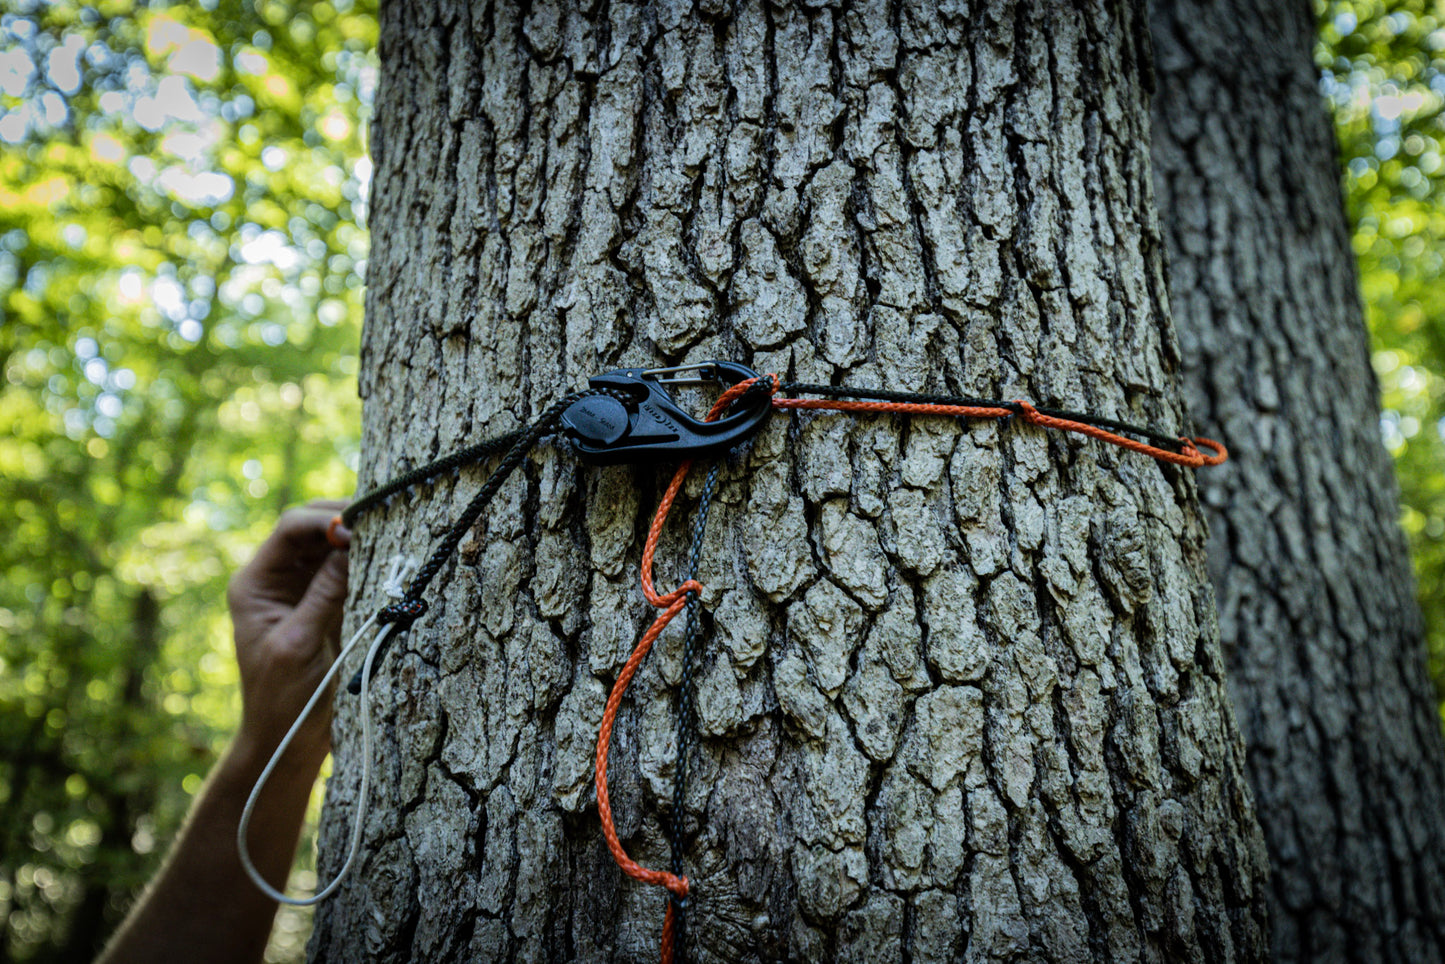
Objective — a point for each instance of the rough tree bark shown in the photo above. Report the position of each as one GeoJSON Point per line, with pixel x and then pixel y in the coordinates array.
{"type": "Point", "coordinates": [1316, 598]}
{"type": "Point", "coordinates": [961, 695]}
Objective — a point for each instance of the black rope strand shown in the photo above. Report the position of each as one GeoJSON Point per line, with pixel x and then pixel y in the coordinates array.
{"type": "Point", "coordinates": [1171, 442]}
{"type": "Point", "coordinates": [526, 440]}
{"type": "Point", "coordinates": [412, 606]}
{"type": "Point", "coordinates": [686, 730]}
{"type": "Point", "coordinates": [428, 472]}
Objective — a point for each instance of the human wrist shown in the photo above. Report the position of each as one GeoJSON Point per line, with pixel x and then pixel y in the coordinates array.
{"type": "Point", "coordinates": [248, 755]}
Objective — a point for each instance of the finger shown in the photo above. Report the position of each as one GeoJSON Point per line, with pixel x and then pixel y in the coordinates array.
{"type": "Point", "coordinates": [302, 525]}
{"type": "Point", "coordinates": [337, 534]}
{"type": "Point", "coordinates": [292, 553]}
{"type": "Point", "coordinates": [316, 620]}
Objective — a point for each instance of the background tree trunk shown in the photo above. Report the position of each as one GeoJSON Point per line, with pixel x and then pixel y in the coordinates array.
{"type": "Point", "coordinates": [961, 693]}
{"type": "Point", "coordinates": [1316, 600]}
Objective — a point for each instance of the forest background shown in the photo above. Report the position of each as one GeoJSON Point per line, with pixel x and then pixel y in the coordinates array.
{"type": "Point", "coordinates": [182, 254]}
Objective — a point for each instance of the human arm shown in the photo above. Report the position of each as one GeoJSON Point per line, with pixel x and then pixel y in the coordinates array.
{"type": "Point", "coordinates": [286, 608]}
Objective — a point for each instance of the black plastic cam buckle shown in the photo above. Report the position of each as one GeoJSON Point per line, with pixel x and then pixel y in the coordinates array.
{"type": "Point", "coordinates": [639, 422]}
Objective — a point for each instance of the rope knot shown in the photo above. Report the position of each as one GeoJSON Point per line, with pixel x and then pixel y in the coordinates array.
{"type": "Point", "coordinates": [1218, 453]}
{"type": "Point", "coordinates": [403, 613]}
{"type": "Point", "coordinates": [677, 889]}
{"type": "Point", "coordinates": [662, 600]}
{"type": "Point", "coordinates": [1028, 412]}
{"type": "Point", "coordinates": [764, 385]}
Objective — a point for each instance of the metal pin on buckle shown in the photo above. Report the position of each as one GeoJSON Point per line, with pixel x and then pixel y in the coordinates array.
{"type": "Point", "coordinates": [705, 374]}
{"type": "Point", "coordinates": [637, 421]}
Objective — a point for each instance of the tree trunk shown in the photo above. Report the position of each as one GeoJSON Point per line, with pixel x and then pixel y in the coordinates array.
{"type": "Point", "coordinates": [961, 694]}
{"type": "Point", "coordinates": [1316, 599]}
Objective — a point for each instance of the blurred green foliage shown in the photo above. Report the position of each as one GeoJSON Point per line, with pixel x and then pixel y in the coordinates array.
{"type": "Point", "coordinates": [1383, 74]}
{"type": "Point", "coordinates": [182, 190]}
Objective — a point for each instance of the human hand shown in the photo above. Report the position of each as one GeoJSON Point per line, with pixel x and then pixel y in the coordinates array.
{"type": "Point", "coordinates": [286, 609]}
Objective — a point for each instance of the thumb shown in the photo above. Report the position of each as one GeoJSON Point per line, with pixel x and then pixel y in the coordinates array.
{"type": "Point", "coordinates": [318, 615]}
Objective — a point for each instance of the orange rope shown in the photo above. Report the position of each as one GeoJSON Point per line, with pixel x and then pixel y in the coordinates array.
{"type": "Point", "coordinates": [1191, 456]}
{"type": "Point", "coordinates": [678, 885]}
{"type": "Point", "coordinates": [902, 408]}
{"type": "Point", "coordinates": [672, 603]}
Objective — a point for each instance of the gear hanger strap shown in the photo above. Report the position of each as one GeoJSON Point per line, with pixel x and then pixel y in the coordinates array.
{"type": "Point", "coordinates": [628, 416]}
{"type": "Point", "coordinates": [596, 443]}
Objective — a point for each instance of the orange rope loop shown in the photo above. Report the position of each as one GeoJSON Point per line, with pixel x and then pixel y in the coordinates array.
{"type": "Point", "coordinates": [671, 604]}
{"type": "Point", "coordinates": [1190, 456]}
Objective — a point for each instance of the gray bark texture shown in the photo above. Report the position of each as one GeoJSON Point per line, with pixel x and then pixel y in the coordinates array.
{"type": "Point", "coordinates": [961, 695]}
{"type": "Point", "coordinates": [1316, 598]}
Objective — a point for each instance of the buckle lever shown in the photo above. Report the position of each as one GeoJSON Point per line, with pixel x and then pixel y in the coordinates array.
{"type": "Point", "coordinates": [639, 422]}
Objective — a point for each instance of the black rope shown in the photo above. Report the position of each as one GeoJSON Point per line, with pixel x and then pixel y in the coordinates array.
{"type": "Point", "coordinates": [1171, 442]}
{"type": "Point", "coordinates": [1162, 439]}
{"type": "Point", "coordinates": [686, 730]}
{"type": "Point", "coordinates": [427, 473]}
{"type": "Point", "coordinates": [518, 444]}
{"type": "Point", "coordinates": [412, 606]}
